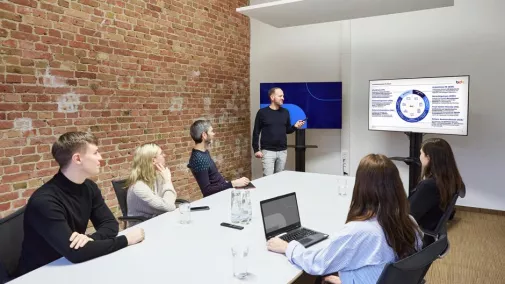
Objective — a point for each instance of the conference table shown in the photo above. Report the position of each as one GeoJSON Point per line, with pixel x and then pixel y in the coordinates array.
{"type": "Point", "coordinates": [200, 252]}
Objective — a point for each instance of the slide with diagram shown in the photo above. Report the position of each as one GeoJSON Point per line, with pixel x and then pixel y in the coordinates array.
{"type": "Point", "coordinates": [423, 105]}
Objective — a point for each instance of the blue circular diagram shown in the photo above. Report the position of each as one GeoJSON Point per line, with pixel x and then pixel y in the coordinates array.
{"type": "Point", "coordinates": [412, 106]}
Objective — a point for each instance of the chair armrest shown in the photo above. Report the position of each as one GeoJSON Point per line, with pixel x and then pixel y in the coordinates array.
{"type": "Point", "coordinates": [179, 201]}
{"type": "Point", "coordinates": [133, 218]}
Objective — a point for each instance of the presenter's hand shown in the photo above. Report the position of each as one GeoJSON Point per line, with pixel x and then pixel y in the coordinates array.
{"type": "Point", "coordinates": [241, 182]}
{"type": "Point", "coordinates": [135, 236]}
{"type": "Point", "coordinates": [299, 123]}
{"type": "Point", "coordinates": [79, 240]}
{"type": "Point", "coordinates": [258, 154]}
{"type": "Point", "coordinates": [277, 245]}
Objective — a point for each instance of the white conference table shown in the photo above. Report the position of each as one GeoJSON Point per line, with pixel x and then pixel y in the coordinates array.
{"type": "Point", "coordinates": [200, 252]}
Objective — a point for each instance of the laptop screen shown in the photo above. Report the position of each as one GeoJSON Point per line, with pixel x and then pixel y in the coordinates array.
{"type": "Point", "coordinates": [280, 213]}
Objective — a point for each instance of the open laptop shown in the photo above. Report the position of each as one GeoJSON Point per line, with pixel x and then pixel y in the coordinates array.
{"type": "Point", "coordinates": [280, 216]}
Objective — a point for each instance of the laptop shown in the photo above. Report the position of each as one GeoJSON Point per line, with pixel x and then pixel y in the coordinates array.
{"type": "Point", "coordinates": [280, 216]}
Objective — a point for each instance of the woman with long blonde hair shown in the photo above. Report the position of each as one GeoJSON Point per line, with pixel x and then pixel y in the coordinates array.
{"type": "Point", "coordinates": [150, 188]}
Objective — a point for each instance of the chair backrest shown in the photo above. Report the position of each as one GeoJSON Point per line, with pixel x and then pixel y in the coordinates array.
{"type": "Point", "coordinates": [121, 193]}
{"type": "Point", "coordinates": [441, 226]}
{"type": "Point", "coordinates": [412, 269]}
{"type": "Point", "coordinates": [11, 240]}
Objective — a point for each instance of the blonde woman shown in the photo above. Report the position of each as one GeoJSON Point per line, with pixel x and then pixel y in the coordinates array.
{"type": "Point", "coordinates": [150, 188]}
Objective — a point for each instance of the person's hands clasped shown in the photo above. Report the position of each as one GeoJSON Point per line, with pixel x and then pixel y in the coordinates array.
{"type": "Point", "coordinates": [78, 241]}
{"type": "Point", "coordinates": [135, 236]}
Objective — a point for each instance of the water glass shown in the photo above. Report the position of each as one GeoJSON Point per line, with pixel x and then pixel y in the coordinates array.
{"type": "Point", "coordinates": [239, 254]}
{"type": "Point", "coordinates": [185, 213]}
{"type": "Point", "coordinates": [246, 207]}
{"type": "Point", "coordinates": [342, 187]}
{"type": "Point", "coordinates": [236, 206]}
{"type": "Point", "coordinates": [345, 187]}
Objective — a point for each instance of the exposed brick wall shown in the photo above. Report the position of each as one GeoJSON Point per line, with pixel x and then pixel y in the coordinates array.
{"type": "Point", "coordinates": [128, 71]}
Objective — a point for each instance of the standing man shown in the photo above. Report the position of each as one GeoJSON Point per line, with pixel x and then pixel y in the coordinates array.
{"type": "Point", "coordinates": [273, 122]}
{"type": "Point", "coordinates": [57, 214]}
{"type": "Point", "coordinates": [202, 166]}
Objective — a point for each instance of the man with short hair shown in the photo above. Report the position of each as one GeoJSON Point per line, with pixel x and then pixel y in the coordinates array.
{"type": "Point", "coordinates": [57, 214]}
{"type": "Point", "coordinates": [273, 123]}
{"type": "Point", "coordinates": [201, 164]}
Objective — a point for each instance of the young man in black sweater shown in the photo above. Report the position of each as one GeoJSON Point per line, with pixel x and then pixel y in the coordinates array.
{"type": "Point", "coordinates": [57, 213]}
{"type": "Point", "coordinates": [201, 164]}
{"type": "Point", "coordinates": [273, 123]}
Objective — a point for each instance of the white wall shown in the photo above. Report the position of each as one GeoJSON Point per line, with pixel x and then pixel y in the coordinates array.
{"type": "Point", "coordinates": [299, 54]}
{"type": "Point", "coordinates": [467, 39]}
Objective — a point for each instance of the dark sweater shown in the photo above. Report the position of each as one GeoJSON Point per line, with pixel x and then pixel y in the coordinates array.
{"type": "Point", "coordinates": [56, 210]}
{"type": "Point", "coordinates": [206, 174]}
{"type": "Point", "coordinates": [273, 126]}
{"type": "Point", "coordinates": [425, 204]}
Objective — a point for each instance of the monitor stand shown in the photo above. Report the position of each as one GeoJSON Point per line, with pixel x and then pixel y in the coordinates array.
{"type": "Point", "coordinates": [416, 139]}
{"type": "Point", "coordinates": [300, 148]}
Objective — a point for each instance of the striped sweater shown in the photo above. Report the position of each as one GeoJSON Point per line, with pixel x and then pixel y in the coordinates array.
{"type": "Point", "coordinates": [147, 202]}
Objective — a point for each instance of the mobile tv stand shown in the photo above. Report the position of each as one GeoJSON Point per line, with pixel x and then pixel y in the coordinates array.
{"type": "Point", "coordinates": [300, 148]}
{"type": "Point", "coordinates": [416, 140]}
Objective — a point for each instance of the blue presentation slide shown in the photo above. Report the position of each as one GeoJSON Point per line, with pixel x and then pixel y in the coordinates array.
{"type": "Point", "coordinates": [321, 102]}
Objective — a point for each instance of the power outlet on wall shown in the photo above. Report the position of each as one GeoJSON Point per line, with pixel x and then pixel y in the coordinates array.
{"type": "Point", "coordinates": [344, 156]}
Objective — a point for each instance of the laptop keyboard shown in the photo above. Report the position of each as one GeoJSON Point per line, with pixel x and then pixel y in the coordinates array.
{"type": "Point", "coordinates": [297, 235]}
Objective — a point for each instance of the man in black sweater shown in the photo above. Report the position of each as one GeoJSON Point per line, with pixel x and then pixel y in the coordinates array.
{"type": "Point", "coordinates": [57, 213]}
{"type": "Point", "coordinates": [273, 122]}
{"type": "Point", "coordinates": [201, 164]}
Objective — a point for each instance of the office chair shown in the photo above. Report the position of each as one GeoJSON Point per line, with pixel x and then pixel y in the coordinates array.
{"type": "Point", "coordinates": [412, 269]}
{"type": "Point", "coordinates": [441, 228]}
{"type": "Point", "coordinates": [11, 240]}
{"type": "Point", "coordinates": [121, 194]}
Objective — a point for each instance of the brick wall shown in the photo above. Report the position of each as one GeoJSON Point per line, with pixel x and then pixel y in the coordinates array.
{"type": "Point", "coordinates": [129, 72]}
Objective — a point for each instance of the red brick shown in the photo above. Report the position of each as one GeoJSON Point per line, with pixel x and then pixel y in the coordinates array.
{"type": "Point", "coordinates": [91, 3]}
{"type": "Point", "coordinates": [28, 192]}
{"type": "Point", "coordinates": [11, 170]}
{"type": "Point", "coordinates": [15, 177]}
{"type": "Point", "coordinates": [5, 206]}
{"type": "Point", "coordinates": [6, 124]}
{"type": "Point", "coordinates": [7, 7]}
{"type": "Point", "coordinates": [12, 152]}
{"type": "Point", "coordinates": [19, 203]}
{"type": "Point", "coordinates": [29, 167]}
{"type": "Point", "coordinates": [5, 188]}
{"type": "Point", "coordinates": [10, 16]}
{"type": "Point", "coordinates": [29, 3]}
{"type": "Point", "coordinates": [4, 33]}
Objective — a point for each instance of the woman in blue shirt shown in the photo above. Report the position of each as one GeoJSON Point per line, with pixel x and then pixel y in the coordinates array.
{"type": "Point", "coordinates": [378, 230]}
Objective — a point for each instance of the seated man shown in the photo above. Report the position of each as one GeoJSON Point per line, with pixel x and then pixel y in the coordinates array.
{"type": "Point", "coordinates": [201, 164]}
{"type": "Point", "coordinates": [57, 213]}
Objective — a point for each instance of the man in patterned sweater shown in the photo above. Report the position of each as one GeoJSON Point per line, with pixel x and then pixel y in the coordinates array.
{"type": "Point", "coordinates": [201, 164]}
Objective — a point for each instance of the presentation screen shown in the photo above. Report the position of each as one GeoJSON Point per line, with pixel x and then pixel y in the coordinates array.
{"type": "Point", "coordinates": [320, 102]}
{"type": "Point", "coordinates": [422, 105]}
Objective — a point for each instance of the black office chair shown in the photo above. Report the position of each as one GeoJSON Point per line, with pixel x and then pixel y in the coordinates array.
{"type": "Point", "coordinates": [121, 194]}
{"type": "Point", "coordinates": [412, 269]}
{"type": "Point", "coordinates": [441, 228]}
{"type": "Point", "coordinates": [11, 240]}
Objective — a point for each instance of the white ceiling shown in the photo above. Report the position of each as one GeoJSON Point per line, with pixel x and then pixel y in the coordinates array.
{"type": "Point", "coordinates": [288, 13]}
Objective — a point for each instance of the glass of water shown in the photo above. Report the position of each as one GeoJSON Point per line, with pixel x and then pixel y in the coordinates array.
{"type": "Point", "coordinates": [246, 207]}
{"type": "Point", "coordinates": [236, 205]}
{"type": "Point", "coordinates": [185, 213]}
{"type": "Point", "coordinates": [240, 253]}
